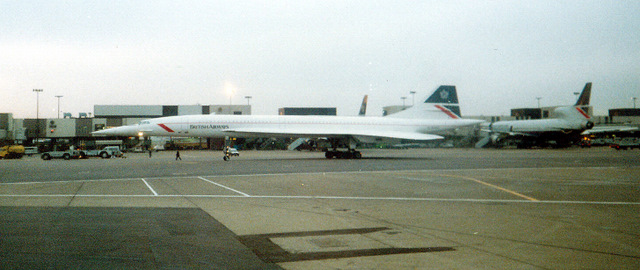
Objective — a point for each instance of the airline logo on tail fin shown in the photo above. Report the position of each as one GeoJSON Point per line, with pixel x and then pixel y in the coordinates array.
{"type": "Point", "coordinates": [446, 94]}
{"type": "Point", "coordinates": [449, 110]}
{"type": "Point", "coordinates": [583, 113]}
{"type": "Point", "coordinates": [584, 96]}
{"type": "Point", "coordinates": [442, 104]}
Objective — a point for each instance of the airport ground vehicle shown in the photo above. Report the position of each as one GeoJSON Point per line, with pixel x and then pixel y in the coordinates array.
{"type": "Point", "coordinates": [31, 150]}
{"type": "Point", "coordinates": [229, 152]}
{"type": "Point", "coordinates": [106, 152]}
{"type": "Point", "coordinates": [626, 143]}
{"type": "Point", "coordinates": [12, 151]}
{"type": "Point", "coordinates": [69, 154]}
{"type": "Point", "coordinates": [185, 144]}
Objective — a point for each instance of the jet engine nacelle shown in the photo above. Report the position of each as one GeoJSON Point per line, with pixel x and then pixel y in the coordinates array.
{"type": "Point", "coordinates": [495, 138]}
{"type": "Point", "coordinates": [500, 127]}
{"type": "Point", "coordinates": [587, 125]}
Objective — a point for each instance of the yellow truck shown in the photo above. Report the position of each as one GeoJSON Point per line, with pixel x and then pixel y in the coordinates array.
{"type": "Point", "coordinates": [12, 151]}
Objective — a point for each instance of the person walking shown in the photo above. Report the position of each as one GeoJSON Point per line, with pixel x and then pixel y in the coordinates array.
{"type": "Point", "coordinates": [178, 155]}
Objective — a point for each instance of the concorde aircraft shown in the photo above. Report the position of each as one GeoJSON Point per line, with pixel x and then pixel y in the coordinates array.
{"type": "Point", "coordinates": [561, 131]}
{"type": "Point", "coordinates": [439, 113]}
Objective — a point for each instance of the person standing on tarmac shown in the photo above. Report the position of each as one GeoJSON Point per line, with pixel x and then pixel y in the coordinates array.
{"type": "Point", "coordinates": [178, 155]}
{"type": "Point", "coordinates": [226, 152]}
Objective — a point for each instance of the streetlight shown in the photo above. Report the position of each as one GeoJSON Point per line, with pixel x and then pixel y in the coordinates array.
{"type": "Point", "coordinates": [634, 101]}
{"type": "Point", "coordinates": [58, 106]}
{"type": "Point", "coordinates": [403, 99]}
{"type": "Point", "coordinates": [413, 98]}
{"type": "Point", "coordinates": [230, 90]}
{"type": "Point", "coordinates": [248, 98]}
{"type": "Point", "coordinates": [37, 114]}
{"type": "Point", "coordinates": [538, 98]}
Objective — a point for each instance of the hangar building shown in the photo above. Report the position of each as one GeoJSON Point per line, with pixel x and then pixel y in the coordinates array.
{"type": "Point", "coordinates": [121, 115]}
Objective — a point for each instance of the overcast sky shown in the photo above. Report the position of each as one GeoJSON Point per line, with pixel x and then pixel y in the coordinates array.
{"type": "Point", "coordinates": [499, 54]}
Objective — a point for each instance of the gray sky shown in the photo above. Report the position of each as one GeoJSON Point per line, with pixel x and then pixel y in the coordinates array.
{"type": "Point", "coordinates": [499, 54]}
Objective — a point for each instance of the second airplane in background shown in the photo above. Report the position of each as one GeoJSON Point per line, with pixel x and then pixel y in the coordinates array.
{"type": "Point", "coordinates": [562, 131]}
{"type": "Point", "coordinates": [438, 114]}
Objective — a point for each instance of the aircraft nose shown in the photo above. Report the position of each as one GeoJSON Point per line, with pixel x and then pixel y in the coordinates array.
{"type": "Point", "coordinates": [117, 131]}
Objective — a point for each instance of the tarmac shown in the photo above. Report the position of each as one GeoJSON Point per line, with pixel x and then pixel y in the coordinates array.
{"type": "Point", "coordinates": [393, 209]}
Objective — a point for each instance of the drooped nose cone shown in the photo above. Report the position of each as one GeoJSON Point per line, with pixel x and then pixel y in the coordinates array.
{"type": "Point", "coordinates": [117, 131]}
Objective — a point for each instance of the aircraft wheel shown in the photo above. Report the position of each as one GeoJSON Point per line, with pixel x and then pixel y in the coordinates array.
{"type": "Point", "coordinates": [225, 158]}
{"type": "Point", "coordinates": [357, 155]}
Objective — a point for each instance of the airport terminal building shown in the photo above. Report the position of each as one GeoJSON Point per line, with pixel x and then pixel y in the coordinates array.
{"type": "Point", "coordinates": [122, 115]}
{"type": "Point", "coordinates": [47, 132]}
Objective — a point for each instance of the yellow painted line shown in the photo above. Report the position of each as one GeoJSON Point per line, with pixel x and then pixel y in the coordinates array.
{"type": "Point", "coordinates": [493, 186]}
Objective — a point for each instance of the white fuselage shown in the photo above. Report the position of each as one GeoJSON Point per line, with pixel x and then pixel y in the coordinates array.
{"type": "Point", "coordinates": [536, 126]}
{"type": "Point", "coordinates": [289, 126]}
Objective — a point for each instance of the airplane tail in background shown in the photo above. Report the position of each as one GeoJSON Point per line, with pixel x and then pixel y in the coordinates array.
{"type": "Point", "coordinates": [583, 100]}
{"type": "Point", "coordinates": [363, 107]}
{"type": "Point", "coordinates": [578, 113]}
{"type": "Point", "coordinates": [442, 104]}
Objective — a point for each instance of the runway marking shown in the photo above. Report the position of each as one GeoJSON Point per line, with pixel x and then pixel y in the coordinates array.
{"type": "Point", "coordinates": [223, 186]}
{"type": "Point", "coordinates": [149, 186]}
{"type": "Point", "coordinates": [529, 199]}
{"type": "Point", "coordinates": [319, 173]}
{"type": "Point", "coordinates": [323, 197]}
{"type": "Point", "coordinates": [492, 186]}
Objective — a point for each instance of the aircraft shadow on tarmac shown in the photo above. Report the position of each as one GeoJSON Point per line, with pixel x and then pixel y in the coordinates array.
{"type": "Point", "coordinates": [363, 158]}
{"type": "Point", "coordinates": [270, 252]}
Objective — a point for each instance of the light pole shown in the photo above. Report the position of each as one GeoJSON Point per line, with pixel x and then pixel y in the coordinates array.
{"type": "Point", "coordinates": [230, 90]}
{"type": "Point", "coordinates": [248, 99]}
{"type": "Point", "coordinates": [538, 98]}
{"type": "Point", "coordinates": [634, 101]}
{"type": "Point", "coordinates": [413, 98]}
{"type": "Point", "coordinates": [58, 106]}
{"type": "Point", "coordinates": [403, 99]}
{"type": "Point", "coordinates": [38, 91]}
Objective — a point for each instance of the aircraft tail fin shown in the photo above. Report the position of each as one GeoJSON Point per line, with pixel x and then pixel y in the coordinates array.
{"type": "Point", "coordinates": [363, 107]}
{"type": "Point", "coordinates": [442, 104]}
{"type": "Point", "coordinates": [578, 113]}
{"type": "Point", "coordinates": [583, 100]}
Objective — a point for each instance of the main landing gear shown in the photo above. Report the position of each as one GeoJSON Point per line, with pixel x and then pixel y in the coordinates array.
{"type": "Point", "coordinates": [351, 154]}
{"type": "Point", "coordinates": [348, 143]}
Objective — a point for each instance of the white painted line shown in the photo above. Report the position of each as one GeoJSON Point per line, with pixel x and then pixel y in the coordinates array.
{"type": "Point", "coordinates": [318, 173]}
{"type": "Point", "coordinates": [327, 198]}
{"type": "Point", "coordinates": [74, 181]}
{"type": "Point", "coordinates": [149, 186]}
{"type": "Point", "coordinates": [222, 186]}
{"type": "Point", "coordinates": [420, 171]}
